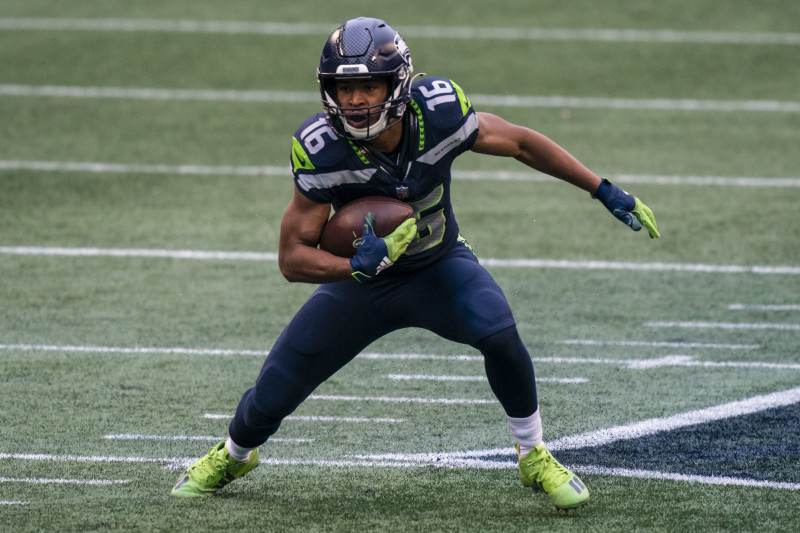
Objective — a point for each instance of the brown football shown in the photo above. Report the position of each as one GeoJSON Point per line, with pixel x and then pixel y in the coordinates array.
{"type": "Point", "coordinates": [347, 222]}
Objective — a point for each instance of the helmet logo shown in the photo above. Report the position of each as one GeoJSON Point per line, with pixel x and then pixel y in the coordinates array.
{"type": "Point", "coordinates": [402, 48]}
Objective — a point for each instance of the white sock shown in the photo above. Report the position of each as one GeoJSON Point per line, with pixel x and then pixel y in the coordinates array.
{"type": "Point", "coordinates": [239, 453]}
{"type": "Point", "coordinates": [527, 431]}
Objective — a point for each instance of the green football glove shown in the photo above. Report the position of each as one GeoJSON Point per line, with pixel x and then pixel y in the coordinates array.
{"type": "Point", "coordinates": [626, 208]}
{"type": "Point", "coordinates": [375, 254]}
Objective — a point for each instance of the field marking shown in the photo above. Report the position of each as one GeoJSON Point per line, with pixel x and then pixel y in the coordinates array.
{"type": "Point", "coordinates": [134, 351]}
{"type": "Point", "coordinates": [513, 101]}
{"type": "Point", "coordinates": [469, 175]}
{"type": "Point", "coordinates": [636, 364]}
{"type": "Point", "coordinates": [645, 179]}
{"type": "Point", "coordinates": [418, 357]}
{"type": "Point", "coordinates": [487, 262]}
{"type": "Point", "coordinates": [689, 478]}
{"type": "Point", "coordinates": [652, 426]}
{"type": "Point", "coordinates": [661, 344]}
{"type": "Point", "coordinates": [86, 458]}
{"type": "Point", "coordinates": [353, 419]}
{"type": "Point", "coordinates": [208, 438]}
{"type": "Point", "coordinates": [764, 307]}
{"type": "Point", "coordinates": [624, 265]}
{"type": "Point", "coordinates": [180, 463]}
{"type": "Point", "coordinates": [123, 168]}
{"type": "Point", "coordinates": [400, 399]}
{"type": "Point", "coordinates": [427, 377]}
{"type": "Point", "coordinates": [669, 360]}
{"type": "Point", "coordinates": [140, 252]}
{"type": "Point", "coordinates": [478, 458]}
{"type": "Point", "coordinates": [14, 503]}
{"type": "Point", "coordinates": [45, 481]}
{"type": "Point", "coordinates": [422, 32]}
{"type": "Point", "coordinates": [724, 325]}
{"type": "Point", "coordinates": [630, 431]}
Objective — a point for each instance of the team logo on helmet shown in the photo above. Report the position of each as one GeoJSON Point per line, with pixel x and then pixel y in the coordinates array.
{"type": "Point", "coordinates": [402, 48]}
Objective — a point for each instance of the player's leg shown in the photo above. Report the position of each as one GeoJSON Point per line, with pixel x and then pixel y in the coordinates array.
{"type": "Point", "coordinates": [331, 328]}
{"type": "Point", "coordinates": [478, 314]}
{"type": "Point", "coordinates": [508, 369]}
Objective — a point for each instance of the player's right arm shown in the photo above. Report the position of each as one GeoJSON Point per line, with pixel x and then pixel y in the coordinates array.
{"type": "Point", "coordinates": [298, 256]}
{"type": "Point", "coordinates": [300, 260]}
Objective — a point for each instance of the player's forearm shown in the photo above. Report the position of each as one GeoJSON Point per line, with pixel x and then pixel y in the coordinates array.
{"type": "Point", "coordinates": [305, 264]}
{"type": "Point", "coordinates": [544, 155]}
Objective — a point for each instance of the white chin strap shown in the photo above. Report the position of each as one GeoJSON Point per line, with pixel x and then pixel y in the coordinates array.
{"type": "Point", "coordinates": [364, 133]}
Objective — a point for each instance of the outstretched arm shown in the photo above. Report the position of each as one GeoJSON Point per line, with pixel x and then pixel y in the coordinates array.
{"type": "Point", "coordinates": [499, 137]}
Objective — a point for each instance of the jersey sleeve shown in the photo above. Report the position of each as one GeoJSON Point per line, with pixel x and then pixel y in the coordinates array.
{"type": "Point", "coordinates": [446, 113]}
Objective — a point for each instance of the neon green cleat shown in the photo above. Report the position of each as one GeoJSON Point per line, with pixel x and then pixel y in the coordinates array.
{"type": "Point", "coordinates": [209, 474]}
{"type": "Point", "coordinates": [540, 470]}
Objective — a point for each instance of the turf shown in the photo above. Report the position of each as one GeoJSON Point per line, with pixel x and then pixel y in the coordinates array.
{"type": "Point", "coordinates": [111, 365]}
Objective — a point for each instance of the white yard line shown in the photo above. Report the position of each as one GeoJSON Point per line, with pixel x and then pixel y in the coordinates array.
{"type": "Point", "coordinates": [312, 418]}
{"type": "Point", "coordinates": [180, 463]}
{"type": "Point", "coordinates": [669, 360]}
{"type": "Point", "coordinates": [400, 399]}
{"type": "Point", "coordinates": [203, 438]}
{"type": "Point", "coordinates": [724, 325]}
{"type": "Point", "coordinates": [95, 167]}
{"type": "Point", "coordinates": [67, 458]}
{"type": "Point", "coordinates": [428, 32]}
{"type": "Point", "coordinates": [686, 478]}
{"type": "Point", "coordinates": [418, 357]}
{"type": "Point", "coordinates": [488, 262]}
{"type": "Point", "coordinates": [636, 104]}
{"type": "Point", "coordinates": [427, 377]}
{"type": "Point", "coordinates": [764, 307]}
{"type": "Point", "coordinates": [139, 252]}
{"type": "Point", "coordinates": [481, 458]}
{"type": "Point", "coordinates": [47, 481]}
{"type": "Point", "coordinates": [13, 502]}
{"type": "Point", "coordinates": [135, 350]}
{"type": "Point", "coordinates": [152, 93]}
{"type": "Point", "coordinates": [474, 458]}
{"type": "Point", "coordinates": [624, 265]}
{"type": "Point", "coordinates": [646, 179]}
{"type": "Point", "coordinates": [658, 425]}
{"type": "Point", "coordinates": [661, 344]}
{"type": "Point", "coordinates": [636, 364]}
{"type": "Point", "coordinates": [123, 168]}
{"type": "Point", "coordinates": [514, 101]}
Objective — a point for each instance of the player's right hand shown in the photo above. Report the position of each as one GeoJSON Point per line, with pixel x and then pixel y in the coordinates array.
{"type": "Point", "coordinates": [375, 254]}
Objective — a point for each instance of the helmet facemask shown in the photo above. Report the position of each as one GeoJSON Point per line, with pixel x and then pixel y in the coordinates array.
{"type": "Point", "coordinates": [389, 112]}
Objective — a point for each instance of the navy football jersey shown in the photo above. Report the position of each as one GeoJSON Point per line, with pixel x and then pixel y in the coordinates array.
{"type": "Point", "coordinates": [440, 124]}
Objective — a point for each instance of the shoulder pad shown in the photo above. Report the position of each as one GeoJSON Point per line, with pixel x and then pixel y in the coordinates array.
{"type": "Point", "coordinates": [441, 101]}
{"type": "Point", "coordinates": [316, 145]}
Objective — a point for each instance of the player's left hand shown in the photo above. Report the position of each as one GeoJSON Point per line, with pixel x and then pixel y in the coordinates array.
{"type": "Point", "coordinates": [375, 254]}
{"type": "Point", "coordinates": [626, 208]}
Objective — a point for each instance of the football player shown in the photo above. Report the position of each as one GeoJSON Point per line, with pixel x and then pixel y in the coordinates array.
{"type": "Point", "coordinates": [385, 132]}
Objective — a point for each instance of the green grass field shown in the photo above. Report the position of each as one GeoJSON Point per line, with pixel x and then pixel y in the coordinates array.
{"type": "Point", "coordinates": [125, 343]}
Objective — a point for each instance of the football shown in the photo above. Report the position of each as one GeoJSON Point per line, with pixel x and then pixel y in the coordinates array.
{"type": "Point", "coordinates": [346, 224]}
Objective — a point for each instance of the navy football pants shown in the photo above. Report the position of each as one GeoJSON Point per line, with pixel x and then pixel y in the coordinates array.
{"type": "Point", "coordinates": [455, 298]}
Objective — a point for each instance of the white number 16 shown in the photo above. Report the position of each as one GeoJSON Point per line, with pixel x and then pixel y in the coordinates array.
{"type": "Point", "coordinates": [442, 91]}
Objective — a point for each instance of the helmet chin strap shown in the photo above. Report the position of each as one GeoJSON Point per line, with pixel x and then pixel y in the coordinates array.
{"type": "Point", "coordinates": [363, 134]}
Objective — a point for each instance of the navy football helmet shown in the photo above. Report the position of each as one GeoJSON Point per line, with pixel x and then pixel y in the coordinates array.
{"type": "Point", "coordinates": [365, 48]}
